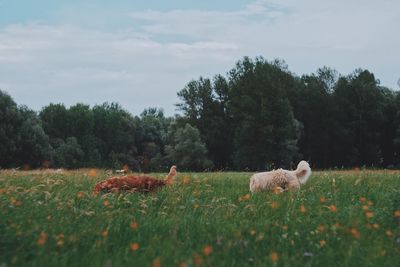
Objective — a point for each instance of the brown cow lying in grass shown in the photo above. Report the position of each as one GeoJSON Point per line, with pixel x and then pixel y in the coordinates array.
{"type": "Point", "coordinates": [133, 183]}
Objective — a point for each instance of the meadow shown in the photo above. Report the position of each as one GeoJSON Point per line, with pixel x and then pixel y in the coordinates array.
{"type": "Point", "coordinates": [339, 218]}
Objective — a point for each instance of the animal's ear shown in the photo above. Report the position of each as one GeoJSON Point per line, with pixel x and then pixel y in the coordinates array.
{"type": "Point", "coordinates": [302, 173]}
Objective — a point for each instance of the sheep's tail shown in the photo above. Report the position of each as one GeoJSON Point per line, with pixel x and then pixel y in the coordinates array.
{"type": "Point", "coordinates": [303, 171]}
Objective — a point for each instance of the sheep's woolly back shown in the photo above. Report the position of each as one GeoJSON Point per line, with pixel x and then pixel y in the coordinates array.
{"type": "Point", "coordinates": [282, 179]}
{"type": "Point", "coordinates": [303, 171]}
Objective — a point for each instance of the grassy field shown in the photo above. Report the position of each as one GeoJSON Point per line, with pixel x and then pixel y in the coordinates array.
{"type": "Point", "coordinates": [349, 218]}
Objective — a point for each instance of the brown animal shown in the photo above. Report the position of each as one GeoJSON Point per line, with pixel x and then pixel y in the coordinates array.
{"type": "Point", "coordinates": [132, 183]}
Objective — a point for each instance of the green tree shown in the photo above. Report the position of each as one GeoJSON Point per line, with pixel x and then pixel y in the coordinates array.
{"type": "Point", "coordinates": [187, 150]}
{"type": "Point", "coordinates": [266, 131]}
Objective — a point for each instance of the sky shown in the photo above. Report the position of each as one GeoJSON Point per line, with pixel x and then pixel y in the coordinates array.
{"type": "Point", "coordinates": [141, 53]}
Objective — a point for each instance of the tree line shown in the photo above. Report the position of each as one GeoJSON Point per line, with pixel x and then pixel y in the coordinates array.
{"type": "Point", "coordinates": [258, 116]}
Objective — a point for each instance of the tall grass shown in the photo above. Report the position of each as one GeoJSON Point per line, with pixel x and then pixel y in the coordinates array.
{"type": "Point", "coordinates": [205, 219]}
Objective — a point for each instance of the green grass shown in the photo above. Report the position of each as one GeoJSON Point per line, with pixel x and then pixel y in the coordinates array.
{"type": "Point", "coordinates": [176, 224]}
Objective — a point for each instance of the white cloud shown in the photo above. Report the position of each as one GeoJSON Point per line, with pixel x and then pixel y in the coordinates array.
{"type": "Point", "coordinates": [146, 63]}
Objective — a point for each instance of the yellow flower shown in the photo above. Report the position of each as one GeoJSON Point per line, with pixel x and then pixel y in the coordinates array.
{"type": "Point", "coordinates": [322, 243]}
{"type": "Point", "coordinates": [389, 233]}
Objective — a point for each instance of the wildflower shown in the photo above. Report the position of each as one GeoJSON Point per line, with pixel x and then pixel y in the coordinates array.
{"type": "Point", "coordinates": [369, 214]}
{"type": "Point", "coordinates": [333, 208]}
{"type": "Point", "coordinates": [274, 257]}
{"type": "Point", "coordinates": [207, 250]}
{"type": "Point", "coordinates": [197, 259]}
{"type": "Point", "coordinates": [354, 232]}
{"type": "Point", "coordinates": [365, 207]}
{"type": "Point", "coordinates": [93, 173]}
{"type": "Point", "coordinates": [186, 179]}
{"type": "Point", "coordinates": [156, 263]}
{"type": "Point", "coordinates": [322, 243]}
{"type": "Point", "coordinates": [389, 233]}
{"type": "Point", "coordinates": [322, 199]}
{"type": "Point", "coordinates": [252, 232]}
{"type": "Point", "coordinates": [42, 239]}
{"type": "Point", "coordinates": [321, 228]}
{"type": "Point", "coordinates": [245, 197]}
{"type": "Point", "coordinates": [104, 233]}
{"type": "Point", "coordinates": [302, 209]}
{"type": "Point", "coordinates": [274, 205]}
{"type": "Point", "coordinates": [370, 203]}
{"type": "Point", "coordinates": [368, 226]}
{"type": "Point", "coordinates": [134, 246]}
{"type": "Point", "coordinates": [363, 199]}
{"type": "Point", "coordinates": [134, 225]}
{"type": "Point", "coordinates": [285, 227]}
{"type": "Point", "coordinates": [80, 194]}
{"type": "Point", "coordinates": [106, 203]}
{"type": "Point", "coordinates": [376, 226]}
{"type": "Point", "coordinates": [397, 213]}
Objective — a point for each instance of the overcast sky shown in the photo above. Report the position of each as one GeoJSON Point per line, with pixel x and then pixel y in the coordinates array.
{"type": "Point", "coordinates": [141, 53]}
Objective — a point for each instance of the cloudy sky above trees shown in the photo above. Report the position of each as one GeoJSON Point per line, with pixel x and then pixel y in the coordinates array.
{"type": "Point", "coordinates": [140, 53]}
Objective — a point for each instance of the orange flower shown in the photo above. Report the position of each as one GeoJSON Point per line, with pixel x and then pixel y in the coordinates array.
{"type": "Point", "coordinates": [322, 243]}
{"type": "Point", "coordinates": [134, 225]}
{"type": "Point", "coordinates": [93, 173]}
{"type": "Point", "coordinates": [197, 259]}
{"type": "Point", "coordinates": [363, 199]}
{"type": "Point", "coordinates": [370, 203]}
{"type": "Point", "coordinates": [156, 263]}
{"type": "Point", "coordinates": [302, 209]}
{"type": "Point", "coordinates": [245, 197]}
{"type": "Point", "coordinates": [207, 250]}
{"type": "Point", "coordinates": [354, 232]}
{"type": "Point", "coordinates": [365, 207]}
{"type": "Point", "coordinates": [134, 246]}
{"type": "Point", "coordinates": [333, 208]}
{"type": "Point", "coordinates": [369, 214]}
{"type": "Point", "coordinates": [321, 228]}
{"type": "Point", "coordinates": [397, 213]}
{"type": "Point", "coordinates": [274, 205]}
{"type": "Point", "coordinates": [322, 199]}
{"type": "Point", "coordinates": [186, 179]}
{"type": "Point", "coordinates": [274, 257]}
{"type": "Point", "coordinates": [80, 194]}
{"type": "Point", "coordinates": [106, 203]}
{"type": "Point", "coordinates": [104, 233]}
{"type": "Point", "coordinates": [42, 239]}
{"type": "Point", "coordinates": [376, 226]}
